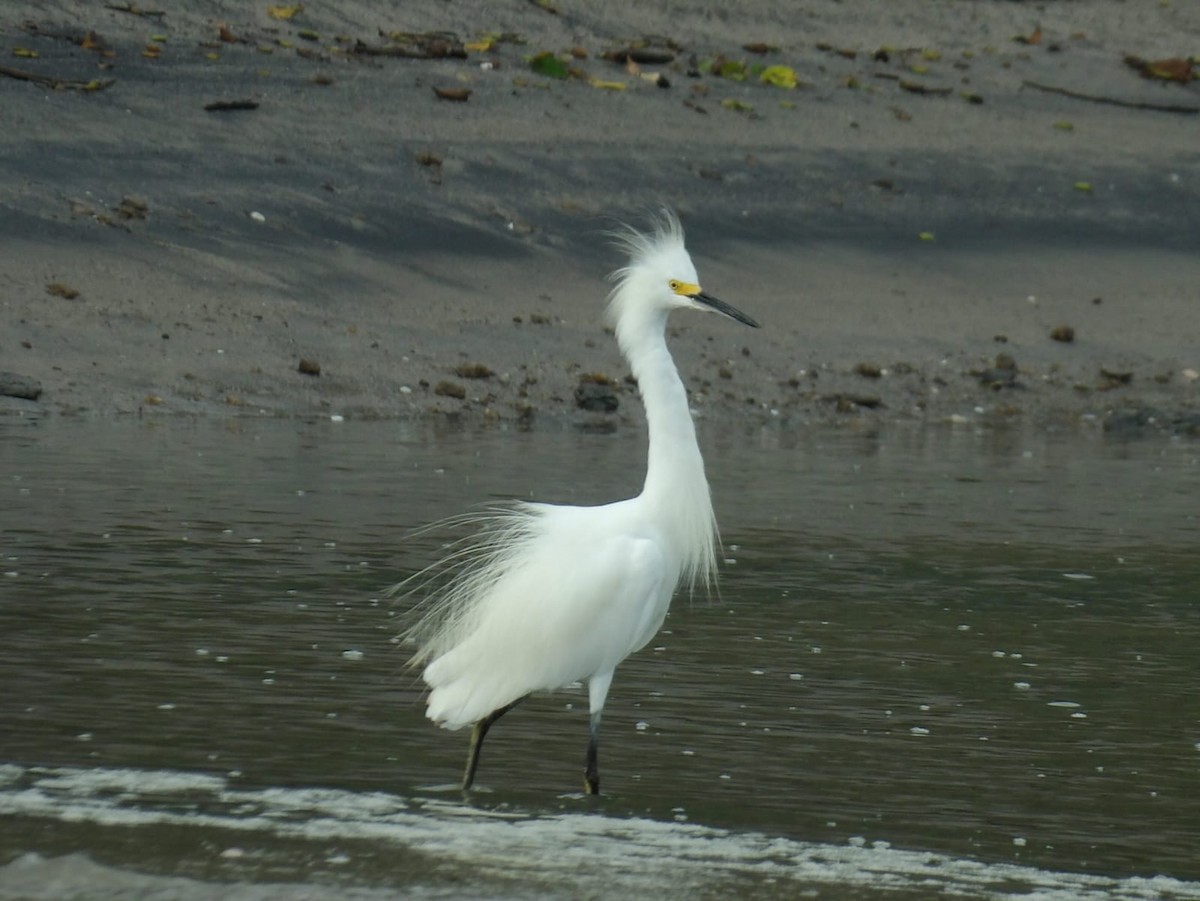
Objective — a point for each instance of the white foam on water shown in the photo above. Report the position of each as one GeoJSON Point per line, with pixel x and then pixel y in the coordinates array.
{"type": "Point", "coordinates": [588, 851]}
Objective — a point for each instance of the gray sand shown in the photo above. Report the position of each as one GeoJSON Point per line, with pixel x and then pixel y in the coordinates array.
{"type": "Point", "coordinates": [356, 220]}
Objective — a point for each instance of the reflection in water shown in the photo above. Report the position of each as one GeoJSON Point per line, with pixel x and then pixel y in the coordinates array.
{"type": "Point", "coordinates": [975, 646]}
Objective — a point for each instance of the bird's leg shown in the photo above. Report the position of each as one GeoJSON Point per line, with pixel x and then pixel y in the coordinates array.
{"type": "Point", "coordinates": [597, 692]}
{"type": "Point", "coordinates": [591, 774]}
{"type": "Point", "coordinates": [477, 736]}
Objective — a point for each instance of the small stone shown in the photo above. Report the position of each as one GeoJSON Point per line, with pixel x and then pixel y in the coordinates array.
{"type": "Point", "coordinates": [1131, 422]}
{"type": "Point", "coordinates": [450, 389]}
{"type": "Point", "coordinates": [1114, 378]}
{"type": "Point", "coordinates": [13, 384]}
{"type": "Point", "coordinates": [868, 370]}
{"type": "Point", "coordinates": [309, 367]}
{"type": "Point", "coordinates": [596, 396]}
{"type": "Point", "coordinates": [998, 378]}
{"type": "Point", "coordinates": [1001, 374]}
{"type": "Point", "coordinates": [473, 371]}
{"type": "Point", "coordinates": [1187, 424]}
{"type": "Point", "coordinates": [58, 289]}
{"type": "Point", "coordinates": [455, 95]}
{"type": "Point", "coordinates": [132, 208]}
{"type": "Point", "coordinates": [1063, 333]}
{"type": "Point", "coordinates": [849, 403]}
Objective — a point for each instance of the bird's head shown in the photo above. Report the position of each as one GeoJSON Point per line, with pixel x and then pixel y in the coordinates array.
{"type": "Point", "coordinates": [661, 277]}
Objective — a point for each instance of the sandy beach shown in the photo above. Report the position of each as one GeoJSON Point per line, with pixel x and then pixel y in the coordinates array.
{"type": "Point", "coordinates": [970, 212]}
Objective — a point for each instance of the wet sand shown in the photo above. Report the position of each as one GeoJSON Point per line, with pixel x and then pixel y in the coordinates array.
{"type": "Point", "coordinates": [918, 205]}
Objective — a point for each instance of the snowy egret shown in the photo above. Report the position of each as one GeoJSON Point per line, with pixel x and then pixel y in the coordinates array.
{"type": "Point", "coordinates": [545, 595]}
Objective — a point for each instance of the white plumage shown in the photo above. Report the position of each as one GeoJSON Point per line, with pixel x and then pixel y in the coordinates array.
{"type": "Point", "coordinates": [546, 595]}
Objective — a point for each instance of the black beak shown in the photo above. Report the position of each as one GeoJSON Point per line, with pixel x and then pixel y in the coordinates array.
{"type": "Point", "coordinates": [720, 306]}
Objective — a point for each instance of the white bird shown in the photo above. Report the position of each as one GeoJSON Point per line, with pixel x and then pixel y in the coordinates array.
{"type": "Point", "coordinates": [545, 595]}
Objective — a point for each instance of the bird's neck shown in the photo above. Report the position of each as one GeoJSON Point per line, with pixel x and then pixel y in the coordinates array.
{"type": "Point", "coordinates": [675, 487]}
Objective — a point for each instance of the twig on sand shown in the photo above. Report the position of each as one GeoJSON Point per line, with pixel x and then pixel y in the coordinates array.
{"type": "Point", "coordinates": [135, 9]}
{"type": "Point", "coordinates": [422, 46]}
{"type": "Point", "coordinates": [218, 106]}
{"type": "Point", "coordinates": [1113, 101]}
{"type": "Point", "coordinates": [58, 84]}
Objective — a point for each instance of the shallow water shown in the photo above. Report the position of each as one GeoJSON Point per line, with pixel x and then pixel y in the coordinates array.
{"type": "Point", "coordinates": [941, 660]}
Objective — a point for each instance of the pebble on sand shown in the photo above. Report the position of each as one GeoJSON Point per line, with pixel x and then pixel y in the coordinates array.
{"type": "Point", "coordinates": [450, 389]}
{"type": "Point", "coordinates": [14, 384]}
{"type": "Point", "coordinates": [596, 396]}
{"type": "Point", "coordinates": [473, 371]}
{"type": "Point", "coordinates": [1063, 333]}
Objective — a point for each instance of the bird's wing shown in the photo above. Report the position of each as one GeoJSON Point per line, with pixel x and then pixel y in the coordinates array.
{"type": "Point", "coordinates": [559, 619]}
{"type": "Point", "coordinates": [612, 605]}
{"type": "Point", "coordinates": [640, 598]}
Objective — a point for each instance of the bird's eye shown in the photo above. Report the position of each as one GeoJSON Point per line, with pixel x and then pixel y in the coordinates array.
{"type": "Point", "coordinates": [673, 284]}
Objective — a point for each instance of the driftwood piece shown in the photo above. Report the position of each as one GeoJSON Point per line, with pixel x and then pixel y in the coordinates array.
{"type": "Point", "coordinates": [1114, 101]}
{"type": "Point", "coordinates": [58, 84]}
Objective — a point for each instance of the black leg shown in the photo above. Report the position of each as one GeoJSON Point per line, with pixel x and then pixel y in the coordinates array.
{"type": "Point", "coordinates": [477, 736]}
{"type": "Point", "coordinates": [591, 775]}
